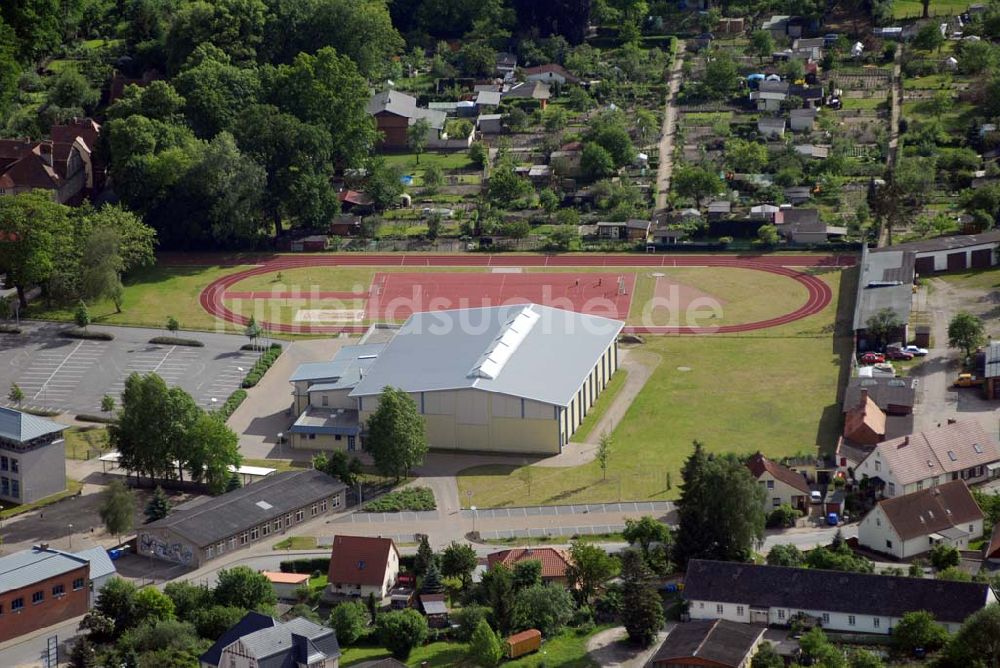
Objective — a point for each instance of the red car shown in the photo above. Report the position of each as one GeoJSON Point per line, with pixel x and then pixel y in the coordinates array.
{"type": "Point", "coordinates": [872, 358]}
{"type": "Point", "coordinates": [899, 355]}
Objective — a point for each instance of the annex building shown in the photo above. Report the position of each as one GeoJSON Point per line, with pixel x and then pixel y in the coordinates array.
{"type": "Point", "coordinates": [517, 378]}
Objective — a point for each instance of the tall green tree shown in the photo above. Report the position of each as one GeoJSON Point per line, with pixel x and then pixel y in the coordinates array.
{"type": "Point", "coordinates": [235, 27]}
{"type": "Point", "coordinates": [977, 642]}
{"type": "Point", "coordinates": [212, 448]}
{"type": "Point", "coordinates": [217, 94]}
{"type": "Point", "coordinates": [590, 568]}
{"type": "Point", "coordinates": [10, 70]}
{"type": "Point", "coordinates": [400, 631]}
{"type": "Point", "coordinates": [459, 560]}
{"type": "Point", "coordinates": [642, 610]}
{"type": "Point", "coordinates": [497, 591]}
{"type": "Point", "coordinates": [883, 325]}
{"type": "Point", "coordinates": [117, 509]}
{"type": "Point", "coordinates": [396, 440]}
{"type": "Point", "coordinates": [158, 506]}
{"type": "Point", "coordinates": [350, 621]}
{"type": "Point", "coordinates": [485, 647]}
{"type": "Point", "coordinates": [243, 587]}
{"type": "Point", "coordinates": [644, 532]}
{"type": "Point", "coordinates": [416, 136]}
{"type": "Point", "coordinates": [43, 232]}
{"type": "Point", "coordinates": [546, 607]}
{"type": "Point", "coordinates": [424, 558]}
{"type": "Point", "coordinates": [965, 331]}
{"type": "Point", "coordinates": [696, 183]}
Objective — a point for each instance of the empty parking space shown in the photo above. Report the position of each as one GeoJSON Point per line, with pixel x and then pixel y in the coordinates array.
{"type": "Point", "coordinates": [73, 375]}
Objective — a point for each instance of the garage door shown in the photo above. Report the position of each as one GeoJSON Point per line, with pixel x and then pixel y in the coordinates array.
{"type": "Point", "coordinates": [956, 261]}
{"type": "Point", "coordinates": [924, 266]}
{"type": "Point", "coordinates": [981, 259]}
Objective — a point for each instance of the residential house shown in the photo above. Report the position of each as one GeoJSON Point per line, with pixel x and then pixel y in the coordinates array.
{"type": "Point", "coordinates": [529, 90]}
{"type": "Point", "coordinates": [286, 585]}
{"type": "Point", "coordinates": [490, 124]}
{"type": "Point", "coordinates": [864, 423]}
{"type": "Point", "coordinates": [487, 100]}
{"type": "Point", "coordinates": [363, 565]}
{"type": "Point", "coordinates": [719, 209]}
{"type": "Point", "coordinates": [259, 640]}
{"type": "Point", "coordinates": [41, 586]}
{"type": "Point", "coordinates": [770, 127]}
{"type": "Point", "coordinates": [957, 451]}
{"type": "Point", "coordinates": [797, 194]}
{"type": "Point", "coordinates": [718, 643]}
{"type": "Point", "coordinates": [895, 396]}
{"type": "Point", "coordinates": [203, 529]}
{"type": "Point", "coordinates": [836, 600]}
{"type": "Point", "coordinates": [554, 561]}
{"type": "Point", "coordinates": [62, 164]}
{"type": "Point", "coordinates": [506, 65]}
{"type": "Point", "coordinates": [801, 120]}
{"type": "Point", "coordinates": [395, 112]}
{"type": "Point", "coordinates": [811, 96]}
{"type": "Point", "coordinates": [766, 212]}
{"type": "Point", "coordinates": [549, 73]}
{"type": "Point", "coordinates": [32, 457]}
{"type": "Point", "coordinates": [629, 230]}
{"type": "Point", "coordinates": [783, 485]}
{"type": "Point", "coordinates": [912, 524]}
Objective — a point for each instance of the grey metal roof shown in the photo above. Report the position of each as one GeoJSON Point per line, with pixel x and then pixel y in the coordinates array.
{"type": "Point", "coordinates": [230, 513]}
{"type": "Point", "coordinates": [954, 242]}
{"type": "Point", "coordinates": [523, 350]}
{"type": "Point", "coordinates": [882, 268]}
{"type": "Point", "coordinates": [23, 427]}
{"type": "Point", "coordinates": [343, 370]}
{"type": "Point", "coordinates": [315, 420]}
{"type": "Point", "coordinates": [251, 622]}
{"type": "Point", "coordinates": [100, 563]}
{"type": "Point", "coordinates": [401, 104]}
{"type": "Point", "coordinates": [488, 98]}
{"type": "Point", "coordinates": [25, 568]}
{"type": "Point", "coordinates": [277, 643]}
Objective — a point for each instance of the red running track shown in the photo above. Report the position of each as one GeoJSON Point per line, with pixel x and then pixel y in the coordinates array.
{"type": "Point", "coordinates": [819, 293]}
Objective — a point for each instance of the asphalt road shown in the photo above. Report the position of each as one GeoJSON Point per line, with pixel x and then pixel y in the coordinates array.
{"type": "Point", "coordinates": [72, 375]}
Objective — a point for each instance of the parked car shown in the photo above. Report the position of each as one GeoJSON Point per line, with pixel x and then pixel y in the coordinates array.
{"type": "Point", "coordinates": [899, 355]}
{"type": "Point", "coordinates": [872, 358]}
{"type": "Point", "coordinates": [967, 380]}
{"type": "Point", "coordinates": [916, 350]}
{"type": "Point", "coordinates": [816, 496]}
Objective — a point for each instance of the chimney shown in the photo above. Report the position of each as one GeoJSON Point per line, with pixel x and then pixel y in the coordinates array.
{"type": "Point", "coordinates": [864, 397]}
{"type": "Point", "coordinates": [906, 440]}
{"type": "Point", "coordinates": [45, 151]}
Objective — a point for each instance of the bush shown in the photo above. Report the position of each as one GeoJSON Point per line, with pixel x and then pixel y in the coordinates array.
{"type": "Point", "coordinates": [945, 556]}
{"type": "Point", "coordinates": [10, 329]}
{"type": "Point", "coordinates": [261, 366]}
{"type": "Point", "coordinates": [79, 333]}
{"type": "Point", "coordinates": [174, 341]}
{"type": "Point", "coordinates": [411, 498]}
{"type": "Point", "coordinates": [783, 516]}
{"type": "Point", "coordinates": [41, 412]}
{"type": "Point", "coordinates": [257, 347]}
{"type": "Point", "coordinates": [232, 403]}
{"type": "Point", "coordinates": [467, 619]}
{"type": "Point", "coordinates": [100, 419]}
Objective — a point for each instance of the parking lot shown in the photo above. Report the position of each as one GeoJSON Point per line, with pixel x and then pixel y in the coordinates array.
{"type": "Point", "coordinates": [72, 375]}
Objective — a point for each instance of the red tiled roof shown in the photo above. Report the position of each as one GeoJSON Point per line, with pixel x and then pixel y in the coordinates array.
{"type": "Point", "coordinates": [554, 562]}
{"type": "Point", "coordinates": [759, 463]}
{"type": "Point", "coordinates": [993, 547]}
{"type": "Point", "coordinates": [360, 560]}
{"type": "Point", "coordinates": [863, 418]}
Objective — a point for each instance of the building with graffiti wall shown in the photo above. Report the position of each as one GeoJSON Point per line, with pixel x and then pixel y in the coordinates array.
{"type": "Point", "coordinates": [207, 528]}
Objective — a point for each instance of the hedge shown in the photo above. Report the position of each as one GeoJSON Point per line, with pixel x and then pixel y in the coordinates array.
{"type": "Point", "coordinates": [101, 419]}
{"type": "Point", "coordinates": [232, 403]}
{"type": "Point", "coordinates": [174, 341]}
{"type": "Point", "coordinates": [10, 329]}
{"type": "Point", "coordinates": [409, 499]}
{"type": "Point", "coordinates": [41, 412]}
{"type": "Point", "coordinates": [261, 366]}
{"type": "Point", "coordinates": [77, 333]}
{"type": "Point", "coordinates": [258, 347]}
{"type": "Point", "coordinates": [306, 565]}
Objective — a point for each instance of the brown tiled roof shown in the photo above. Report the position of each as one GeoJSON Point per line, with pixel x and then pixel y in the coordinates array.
{"type": "Point", "coordinates": [554, 562]}
{"type": "Point", "coordinates": [992, 550]}
{"type": "Point", "coordinates": [945, 449]}
{"type": "Point", "coordinates": [759, 463]}
{"type": "Point", "coordinates": [716, 641]}
{"type": "Point", "coordinates": [930, 510]}
{"type": "Point", "coordinates": [863, 418]}
{"type": "Point", "coordinates": [360, 559]}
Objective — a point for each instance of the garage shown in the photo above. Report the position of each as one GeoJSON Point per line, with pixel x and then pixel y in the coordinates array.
{"type": "Point", "coordinates": [924, 266]}
{"type": "Point", "coordinates": [956, 261]}
{"type": "Point", "coordinates": [982, 259]}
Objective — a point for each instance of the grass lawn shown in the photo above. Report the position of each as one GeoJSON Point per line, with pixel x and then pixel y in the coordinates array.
{"type": "Point", "coordinates": [279, 464]}
{"type": "Point", "coordinates": [982, 279]}
{"type": "Point", "coordinates": [83, 441]}
{"type": "Point", "coordinates": [600, 406]}
{"type": "Point", "coordinates": [446, 161]}
{"type": "Point", "coordinates": [864, 103]}
{"type": "Point", "coordinates": [566, 650]}
{"type": "Point", "coordinates": [150, 296]}
{"type": "Point", "coordinates": [296, 543]}
{"type": "Point", "coordinates": [914, 9]}
{"type": "Point", "coordinates": [774, 391]}
{"type": "Point", "coordinates": [930, 82]}
{"type": "Point", "coordinates": [73, 488]}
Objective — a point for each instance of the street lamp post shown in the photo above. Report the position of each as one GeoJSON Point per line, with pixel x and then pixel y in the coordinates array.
{"type": "Point", "coordinates": [71, 537]}
{"type": "Point", "coordinates": [475, 514]}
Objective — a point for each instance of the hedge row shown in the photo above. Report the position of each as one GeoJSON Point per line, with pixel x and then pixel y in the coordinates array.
{"type": "Point", "coordinates": [78, 333]}
{"type": "Point", "coordinates": [174, 341]}
{"type": "Point", "coordinates": [257, 347]}
{"type": "Point", "coordinates": [41, 412]}
{"type": "Point", "coordinates": [232, 403]}
{"type": "Point", "coordinates": [261, 366]}
{"type": "Point", "coordinates": [306, 565]}
{"type": "Point", "coordinates": [101, 419]}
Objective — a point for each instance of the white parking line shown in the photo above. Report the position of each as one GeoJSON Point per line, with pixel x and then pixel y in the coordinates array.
{"type": "Point", "coordinates": [52, 375]}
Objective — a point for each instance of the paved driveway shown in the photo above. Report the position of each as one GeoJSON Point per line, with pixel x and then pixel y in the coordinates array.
{"type": "Point", "coordinates": [72, 375]}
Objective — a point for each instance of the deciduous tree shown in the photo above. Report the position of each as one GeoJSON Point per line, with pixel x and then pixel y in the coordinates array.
{"type": "Point", "coordinates": [243, 587]}
{"type": "Point", "coordinates": [590, 568]}
{"type": "Point", "coordinates": [459, 560]}
{"type": "Point", "coordinates": [965, 331]}
{"type": "Point", "coordinates": [544, 607]}
{"type": "Point", "coordinates": [117, 509]}
{"type": "Point", "coordinates": [350, 620]}
{"type": "Point", "coordinates": [396, 440]}
{"type": "Point", "coordinates": [400, 631]}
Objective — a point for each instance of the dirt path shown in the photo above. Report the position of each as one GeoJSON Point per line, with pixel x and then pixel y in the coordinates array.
{"type": "Point", "coordinates": [611, 649]}
{"type": "Point", "coordinates": [666, 160]}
